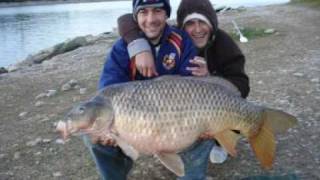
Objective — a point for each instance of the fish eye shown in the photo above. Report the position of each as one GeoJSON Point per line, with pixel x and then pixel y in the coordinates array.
{"type": "Point", "coordinates": [81, 109]}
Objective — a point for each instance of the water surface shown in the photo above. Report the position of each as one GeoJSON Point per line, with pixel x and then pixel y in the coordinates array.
{"type": "Point", "coordinates": [27, 30]}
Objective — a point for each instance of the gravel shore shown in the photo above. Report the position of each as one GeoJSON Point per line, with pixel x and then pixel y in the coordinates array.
{"type": "Point", "coordinates": [284, 70]}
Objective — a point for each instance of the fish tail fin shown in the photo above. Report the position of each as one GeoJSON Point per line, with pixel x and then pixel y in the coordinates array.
{"type": "Point", "coordinates": [263, 143]}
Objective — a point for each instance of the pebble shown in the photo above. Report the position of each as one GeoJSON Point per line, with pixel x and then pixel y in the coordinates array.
{"type": "Point", "coordinates": [42, 95]}
{"type": "Point", "coordinates": [314, 137]}
{"type": "Point", "coordinates": [39, 103]}
{"type": "Point", "coordinates": [38, 153]}
{"type": "Point", "coordinates": [2, 156]}
{"type": "Point", "coordinates": [76, 87]}
{"type": "Point", "coordinates": [15, 145]}
{"type": "Point", "coordinates": [16, 155]}
{"type": "Point", "coordinates": [283, 101]}
{"type": "Point", "coordinates": [60, 141]}
{"type": "Point", "coordinates": [10, 173]}
{"type": "Point", "coordinates": [34, 142]}
{"type": "Point", "coordinates": [66, 87]}
{"type": "Point", "coordinates": [260, 82]}
{"type": "Point", "coordinates": [83, 90]}
{"type": "Point", "coordinates": [315, 80]}
{"type": "Point", "coordinates": [51, 93]}
{"type": "Point", "coordinates": [269, 31]}
{"type": "Point", "coordinates": [54, 124]}
{"type": "Point", "coordinates": [45, 119]}
{"type": "Point", "coordinates": [46, 140]}
{"type": "Point", "coordinates": [298, 74]}
{"type": "Point", "coordinates": [76, 99]}
{"type": "Point", "coordinates": [70, 85]}
{"type": "Point", "coordinates": [57, 174]}
{"type": "Point", "coordinates": [23, 114]}
{"type": "Point", "coordinates": [73, 82]}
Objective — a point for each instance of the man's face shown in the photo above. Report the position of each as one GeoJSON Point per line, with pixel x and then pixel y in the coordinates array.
{"type": "Point", "coordinates": [152, 22]}
{"type": "Point", "coordinates": [199, 31]}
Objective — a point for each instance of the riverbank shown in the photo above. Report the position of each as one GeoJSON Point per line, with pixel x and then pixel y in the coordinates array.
{"type": "Point", "coordinates": [284, 71]}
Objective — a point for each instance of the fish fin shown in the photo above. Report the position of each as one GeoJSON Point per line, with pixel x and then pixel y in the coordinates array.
{"type": "Point", "coordinates": [228, 140]}
{"type": "Point", "coordinates": [173, 162]}
{"type": "Point", "coordinates": [127, 148]}
{"type": "Point", "coordinates": [280, 121]}
{"type": "Point", "coordinates": [263, 143]}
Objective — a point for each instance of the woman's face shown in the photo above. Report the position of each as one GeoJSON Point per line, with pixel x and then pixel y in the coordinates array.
{"type": "Point", "coordinates": [199, 31]}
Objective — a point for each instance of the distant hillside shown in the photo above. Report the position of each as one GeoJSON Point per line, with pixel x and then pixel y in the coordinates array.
{"type": "Point", "coordinates": [14, 3]}
{"type": "Point", "coordinates": [58, 1]}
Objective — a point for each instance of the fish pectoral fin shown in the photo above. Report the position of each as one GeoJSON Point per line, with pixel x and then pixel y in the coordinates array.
{"type": "Point", "coordinates": [173, 162]}
{"type": "Point", "coordinates": [127, 148]}
{"type": "Point", "coordinates": [228, 140]}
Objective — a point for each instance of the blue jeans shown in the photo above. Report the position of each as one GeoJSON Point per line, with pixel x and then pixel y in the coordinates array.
{"type": "Point", "coordinates": [114, 165]}
{"type": "Point", "coordinates": [196, 159]}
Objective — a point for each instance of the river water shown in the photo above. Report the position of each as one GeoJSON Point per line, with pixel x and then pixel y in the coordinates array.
{"type": "Point", "coordinates": [29, 29]}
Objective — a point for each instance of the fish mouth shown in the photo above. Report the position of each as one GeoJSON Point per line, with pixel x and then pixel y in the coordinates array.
{"type": "Point", "coordinates": [62, 128]}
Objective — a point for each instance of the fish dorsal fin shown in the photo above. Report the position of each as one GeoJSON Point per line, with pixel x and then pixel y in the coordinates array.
{"type": "Point", "coordinates": [126, 148]}
{"type": "Point", "coordinates": [218, 81]}
{"type": "Point", "coordinates": [173, 162]}
{"type": "Point", "coordinates": [228, 140]}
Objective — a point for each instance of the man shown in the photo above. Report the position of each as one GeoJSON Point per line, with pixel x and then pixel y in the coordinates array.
{"type": "Point", "coordinates": [171, 48]}
{"type": "Point", "coordinates": [218, 55]}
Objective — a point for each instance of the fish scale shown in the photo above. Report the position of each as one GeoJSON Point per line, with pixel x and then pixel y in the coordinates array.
{"type": "Point", "coordinates": [144, 103]}
{"type": "Point", "coordinates": [167, 115]}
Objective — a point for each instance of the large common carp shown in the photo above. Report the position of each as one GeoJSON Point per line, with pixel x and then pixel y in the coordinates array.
{"type": "Point", "coordinates": [166, 115]}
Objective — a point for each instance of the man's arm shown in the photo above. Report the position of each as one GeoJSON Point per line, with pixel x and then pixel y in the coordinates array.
{"type": "Point", "coordinates": [138, 47]}
{"type": "Point", "coordinates": [116, 67]}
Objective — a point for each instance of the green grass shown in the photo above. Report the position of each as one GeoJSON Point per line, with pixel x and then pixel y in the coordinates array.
{"type": "Point", "coordinates": [307, 2]}
{"type": "Point", "coordinates": [250, 33]}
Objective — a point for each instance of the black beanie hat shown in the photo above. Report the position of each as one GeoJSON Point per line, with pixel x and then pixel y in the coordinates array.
{"type": "Point", "coordinates": [139, 4]}
{"type": "Point", "coordinates": [204, 7]}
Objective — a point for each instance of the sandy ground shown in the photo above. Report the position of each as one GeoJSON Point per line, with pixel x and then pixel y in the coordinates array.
{"type": "Point", "coordinates": [284, 69]}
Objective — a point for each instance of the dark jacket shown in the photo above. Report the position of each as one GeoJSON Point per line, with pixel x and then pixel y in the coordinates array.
{"type": "Point", "coordinates": [225, 59]}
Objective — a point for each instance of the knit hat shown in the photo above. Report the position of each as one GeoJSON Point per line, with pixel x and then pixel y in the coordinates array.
{"type": "Point", "coordinates": [202, 9]}
{"type": "Point", "coordinates": [140, 4]}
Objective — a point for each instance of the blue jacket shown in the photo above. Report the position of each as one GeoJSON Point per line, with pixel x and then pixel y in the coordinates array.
{"type": "Point", "coordinates": [176, 50]}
